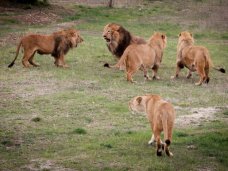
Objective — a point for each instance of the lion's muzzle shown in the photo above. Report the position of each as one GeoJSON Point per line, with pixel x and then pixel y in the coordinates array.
{"type": "Point", "coordinates": [108, 40]}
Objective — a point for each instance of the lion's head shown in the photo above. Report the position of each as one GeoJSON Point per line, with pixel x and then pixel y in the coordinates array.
{"type": "Point", "coordinates": [158, 39]}
{"type": "Point", "coordinates": [72, 37]}
{"type": "Point", "coordinates": [64, 40]}
{"type": "Point", "coordinates": [136, 104]}
{"type": "Point", "coordinates": [117, 38]}
{"type": "Point", "coordinates": [186, 37]}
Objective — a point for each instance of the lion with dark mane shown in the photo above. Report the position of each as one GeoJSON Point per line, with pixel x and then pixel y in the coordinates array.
{"type": "Point", "coordinates": [118, 39]}
{"type": "Point", "coordinates": [57, 44]}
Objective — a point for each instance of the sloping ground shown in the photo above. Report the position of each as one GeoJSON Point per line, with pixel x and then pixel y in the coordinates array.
{"type": "Point", "coordinates": [116, 3]}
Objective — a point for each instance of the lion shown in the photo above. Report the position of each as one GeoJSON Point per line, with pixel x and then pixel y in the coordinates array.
{"type": "Point", "coordinates": [161, 115]}
{"type": "Point", "coordinates": [195, 58]}
{"type": "Point", "coordinates": [118, 39]}
{"type": "Point", "coordinates": [57, 44]}
{"type": "Point", "coordinates": [144, 56]}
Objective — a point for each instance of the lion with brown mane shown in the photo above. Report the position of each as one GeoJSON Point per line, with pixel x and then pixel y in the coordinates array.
{"type": "Point", "coordinates": [161, 115]}
{"type": "Point", "coordinates": [195, 58]}
{"type": "Point", "coordinates": [118, 39]}
{"type": "Point", "coordinates": [144, 57]}
{"type": "Point", "coordinates": [57, 44]}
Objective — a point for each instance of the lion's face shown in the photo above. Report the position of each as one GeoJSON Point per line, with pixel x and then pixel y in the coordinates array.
{"type": "Point", "coordinates": [74, 37]}
{"type": "Point", "coordinates": [136, 104]}
{"type": "Point", "coordinates": [158, 39]}
{"type": "Point", "coordinates": [185, 36]}
{"type": "Point", "coordinates": [111, 33]}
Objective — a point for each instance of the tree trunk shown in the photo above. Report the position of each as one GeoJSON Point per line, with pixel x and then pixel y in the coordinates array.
{"type": "Point", "coordinates": [110, 4]}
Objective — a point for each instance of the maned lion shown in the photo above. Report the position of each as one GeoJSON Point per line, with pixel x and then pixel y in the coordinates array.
{"type": "Point", "coordinates": [57, 44]}
{"type": "Point", "coordinates": [195, 58]}
{"type": "Point", "coordinates": [118, 39]}
{"type": "Point", "coordinates": [144, 56]}
{"type": "Point", "coordinates": [161, 116]}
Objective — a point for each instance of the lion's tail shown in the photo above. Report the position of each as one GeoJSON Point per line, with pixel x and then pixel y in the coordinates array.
{"type": "Point", "coordinates": [222, 70]}
{"type": "Point", "coordinates": [207, 56]}
{"type": "Point", "coordinates": [17, 52]}
{"type": "Point", "coordinates": [111, 66]}
{"type": "Point", "coordinates": [167, 130]}
{"type": "Point", "coordinates": [120, 64]}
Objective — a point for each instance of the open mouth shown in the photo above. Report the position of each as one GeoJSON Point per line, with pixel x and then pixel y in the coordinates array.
{"type": "Point", "coordinates": [107, 40]}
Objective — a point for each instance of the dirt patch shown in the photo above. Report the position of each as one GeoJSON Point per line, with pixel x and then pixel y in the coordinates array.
{"type": "Point", "coordinates": [197, 117]}
{"type": "Point", "coordinates": [36, 15]}
{"type": "Point", "coordinates": [116, 3]}
{"type": "Point", "coordinates": [41, 164]}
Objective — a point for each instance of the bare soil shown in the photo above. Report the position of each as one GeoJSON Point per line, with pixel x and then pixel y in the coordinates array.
{"type": "Point", "coordinates": [198, 116]}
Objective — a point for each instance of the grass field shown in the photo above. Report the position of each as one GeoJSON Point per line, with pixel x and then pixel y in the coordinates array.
{"type": "Point", "coordinates": [78, 118]}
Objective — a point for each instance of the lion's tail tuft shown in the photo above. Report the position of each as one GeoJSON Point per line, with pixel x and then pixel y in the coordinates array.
{"type": "Point", "coordinates": [107, 65]}
{"type": "Point", "coordinates": [17, 52]}
{"type": "Point", "coordinates": [222, 70]}
{"type": "Point", "coordinates": [11, 64]}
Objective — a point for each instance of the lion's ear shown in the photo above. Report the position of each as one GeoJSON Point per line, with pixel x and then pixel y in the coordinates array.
{"type": "Point", "coordinates": [191, 35]}
{"type": "Point", "coordinates": [163, 36]}
{"type": "Point", "coordinates": [139, 100]}
{"type": "Point", "coordinates": [179, 34]}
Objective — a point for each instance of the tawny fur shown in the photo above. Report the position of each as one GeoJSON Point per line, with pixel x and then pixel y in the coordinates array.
{"type": "Point", "coordinates": [195, 58]}
{"type": "Point", "coordinates": [57, 44]}
{"type": "Point", "coordinates": [118, 39]}
{"type": "Point", "coordinates": [161, 115]}
{"type": "Point", "coordinates": [144, 57]}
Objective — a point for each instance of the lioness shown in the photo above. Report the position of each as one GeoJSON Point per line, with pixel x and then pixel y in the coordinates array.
{"type": "Point", "coordinates": [144, 56]}
{"type": "Point", "coordinates": [195, 58]}
{"type": "Point", "coordinates": [57, 44]}
{"type": "Point", "coordinates": [118, 39]}
{"type": "Point", "coordinates": [161, 116]}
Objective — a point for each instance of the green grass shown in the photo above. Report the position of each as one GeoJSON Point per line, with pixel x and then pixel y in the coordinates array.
{"type": "Point", "coordinates": [78, 118]}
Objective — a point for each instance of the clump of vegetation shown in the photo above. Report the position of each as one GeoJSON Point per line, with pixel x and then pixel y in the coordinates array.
{"type": "Point", "coordinates": [36, 119]}
{"type": "Point", "coordinates": [6, 142]}
{"type": "Point", "coordinates": [106, 145]}
{"type": "Point", "coordinates": [79, 131]}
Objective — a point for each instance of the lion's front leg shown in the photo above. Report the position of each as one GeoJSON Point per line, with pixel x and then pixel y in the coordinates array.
{"type": "Point", "coordinates": [59, 62]}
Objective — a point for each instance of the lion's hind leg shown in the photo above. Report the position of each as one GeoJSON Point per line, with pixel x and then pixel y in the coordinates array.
{"type": "Point", "coordinates": [179, 66]}
{"type": "Point", "coordinates": [189, 75]}
{"type": "Point", "coordinates": [130, 70]}
{"type": "Point", "coordinates": [207, 79]}
{"type": "Point", "coordinates": [202, 75]}
{"type": "Point", "coordinates": [152, 140]}
{"type": "Point", "coordinates": [155, 71]}
{"type": "Point", "coordinates": [144, 69]}
{"type": "Point", "coordinates": [129, 76]}
{"type": "Point", "coordinates": [32, 62]}
{"type": "Point", "coordinates": [27, 55]}
{"type": "Point", "coordinates": [166, 148]}
{"type": "Point", "coordinates": [158, 142]}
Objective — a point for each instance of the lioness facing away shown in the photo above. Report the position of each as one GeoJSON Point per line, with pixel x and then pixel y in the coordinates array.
{"type": "Point", "coordinates": [57, 44]}
{"type": "Point", "coordinates": [143, 57]}
{"type": "Point", "coordinates": [195, 58]}
{"type": "Point", "coordinates": [161, 116]}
